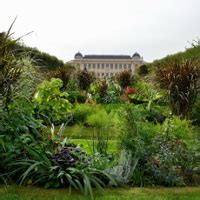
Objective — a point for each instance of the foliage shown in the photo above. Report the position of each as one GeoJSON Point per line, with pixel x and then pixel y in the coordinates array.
{"type": "Point", "coordinates": [42, 59]}
{"type": "Point", "coordinates": [180, 79]}
{"type": "Point", "coordinates": [64, 73]}
{"type": "Point", "coordinates": [81, 112]}
{"type": "Point", "coordinates": [105, 91]}
{"type": "Point", "coordinates": [167, 156]}
{"type": "Point", "coordinates": [19, 117]}
{"type": "Point", "coordinates": [134, 131]}
{"type": "Point", "coordinates": [50, 103]}
{"type": "Point", "coordinates": [129, 91]}
{"type": "Point", "coordinates": [9, 69]}
{"type": "Point", "coordinates": [126, 165]}
{"type": "Point", "coordinates": [85, 78]}
{"type": "Point", "coordinates": [171, 157]}
{"type": "Point", "coordinates": [102, 122]}
{"type": "Point", "coordinates": [195, 112]}
{"type": "Point", "coordinates": [124, 78]}
{"type": "Point", "coordinates": [146, 93]}
{"type": "Point", "coordinates": [143, 70]}
{"type": "Point", "coordinates": [76, 97]}
{"type": "Point", "coordinates": [51, 162]}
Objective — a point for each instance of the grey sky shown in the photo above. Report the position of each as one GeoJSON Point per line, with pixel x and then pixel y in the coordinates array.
{"type": "Point", "coordinates": [154, 28]}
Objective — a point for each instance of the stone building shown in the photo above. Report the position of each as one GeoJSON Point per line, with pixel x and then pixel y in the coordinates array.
{"type": "Point", "coordinates": [107, 65]}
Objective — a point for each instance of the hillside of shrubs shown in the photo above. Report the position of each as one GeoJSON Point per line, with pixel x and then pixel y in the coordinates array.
{"type": "Point", "coordinates": [67, 129]}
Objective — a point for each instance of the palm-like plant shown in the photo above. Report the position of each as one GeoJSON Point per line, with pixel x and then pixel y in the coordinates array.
{"type": "Point", "coordinates": [180, 78]}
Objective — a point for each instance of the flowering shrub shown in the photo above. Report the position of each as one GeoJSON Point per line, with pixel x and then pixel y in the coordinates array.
{"type": "Point", "coordinates": [129, 91]}
{"type": "Point", "coordinates": [105, 91]}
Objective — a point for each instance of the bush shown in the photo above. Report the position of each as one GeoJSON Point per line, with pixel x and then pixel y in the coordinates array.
{"type": "Point", "coordinates": [64, 73]}
{"type": "Point", "coordinates": [180, 78]}
{"type": "Point", "coordinates": [143, 70]}
{"type": "Point", "coordinates": [171, 159]}
{"type": "Point", "coordinates": [51, 104]}
{"type": "Point", "coordinates": [76, 96]}
{"type": "Point", "coordinates": [64, 165]}
{"type": "Point", "coordinates": [85, 78]}
{"type": "Point", "coordinates": [105, 91]}
{"type": "Point", "coordinates": [168, 155]}
{"type": "Point", "coordinates": [81, 113]}
{"type": "Point", "coordinates": [124, 78]}
{"type": "Point", "coordinates": [196, 113]}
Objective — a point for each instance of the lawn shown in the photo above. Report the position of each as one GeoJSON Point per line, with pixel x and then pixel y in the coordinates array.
{"type": "Point", "coordinates": [88, 145]}
{"type": "Point", "coordinates": [82, 132]}
{"type": "Point", "coordinates": [26, 193]}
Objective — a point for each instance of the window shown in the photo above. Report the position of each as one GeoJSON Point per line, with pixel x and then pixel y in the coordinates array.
{"type": "Point", "coordinates": [107, 65]}
{"type": "Point", "coordinates": [93, 66]}
{"type": "Point", "coordinates": [85, 66]}
{"type": "Point", "coordinates": [120, 66]}
{"type": "Point", "coordinates": [102, 74]}
{"type": "Point", "coordinates": [111, 66]}
{"type": "Point", "coordinates": [129, 66]}
{"type": "Point", "coordinates": [102, 66]}
{"type": "Point", "coordinates": [98, 66]}
{"type": "Point", "coordinates": [89, 66]}
{"type": "Point", "coordinates": [124, 66]}
{"type": "Point", "coordinates": [107, 74]}
{"type": "Point", "coordinates": [116, 66]}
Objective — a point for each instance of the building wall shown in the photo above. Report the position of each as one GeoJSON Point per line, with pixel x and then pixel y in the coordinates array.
{"type": "Point", "coordinates": [107, 67]}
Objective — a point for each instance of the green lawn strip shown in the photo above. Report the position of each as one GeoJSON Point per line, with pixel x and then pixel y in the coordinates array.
{"type": "Point", "coordinates": [81, 132]}
{"type": "Point", "coordinates": [88, 145]}
{"type": "Point", "coordinates": [27, 193]}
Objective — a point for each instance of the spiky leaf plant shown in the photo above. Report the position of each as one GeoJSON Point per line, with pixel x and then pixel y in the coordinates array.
{"type": "Point", "coordinates": [180, 78]}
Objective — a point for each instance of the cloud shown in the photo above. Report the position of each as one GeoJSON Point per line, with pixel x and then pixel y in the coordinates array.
{"type": "Point", "coordinates": [154, 28]}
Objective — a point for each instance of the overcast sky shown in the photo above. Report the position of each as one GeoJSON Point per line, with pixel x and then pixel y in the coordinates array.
{"type": "Point", "coordinates": [154, 28]}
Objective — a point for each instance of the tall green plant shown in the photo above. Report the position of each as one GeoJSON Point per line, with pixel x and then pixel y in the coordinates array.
{"type": "Point", "coordinates": [103, 124]}
{"type": "Point", "coordinates": [180, 78]}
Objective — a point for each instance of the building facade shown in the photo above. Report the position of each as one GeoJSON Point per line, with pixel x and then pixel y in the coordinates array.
{"type": "Point", "coordinates": [107, 65]}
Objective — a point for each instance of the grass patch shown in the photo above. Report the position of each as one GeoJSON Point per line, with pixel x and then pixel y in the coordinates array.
{"type": "Point", "coordinates": [82, 132]}
{"type": "Point", "coordinates": [88, 145]}
{"type": "Point", "coordinates": [27, 193]}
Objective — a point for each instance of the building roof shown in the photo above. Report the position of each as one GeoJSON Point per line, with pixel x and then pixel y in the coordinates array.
{"type": "Point", "coordinates": [136, 54]}
{"type": "Point", "coordinates": [78, 54]}
{"type": "Point", "coordinates": [107, 57]}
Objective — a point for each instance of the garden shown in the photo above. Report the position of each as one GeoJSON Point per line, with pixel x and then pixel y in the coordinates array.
{"type": "Point", "coordinates": [64, 129]}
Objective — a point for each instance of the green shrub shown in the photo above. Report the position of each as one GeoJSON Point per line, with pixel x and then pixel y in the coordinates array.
{"type": "Point", "coordinates": [51, 104]}
{"type": "Point", "coordinates": [81, 113]}
{"type": "Point", "coordinates": [105, 91]}
{"type": "Point", "coordinates": [143, 70]}
{"type": "Point", "coordinates": [168, 155]}
{"type": "Point", "coordinates": [53, 162]}
{"type": "Point", "coordinates": [171, 158]}
{"type": "Point", "coordinates": [76, 96]}
{"type": "Point", "coordinates": [196, 113]}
